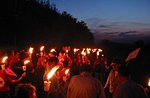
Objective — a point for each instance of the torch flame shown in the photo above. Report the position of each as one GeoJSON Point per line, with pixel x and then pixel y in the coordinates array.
{"type": "Point", "coordinates": [26, 62]}
{"type": "Point", "coordinates": [52, 72]}
{"type": "Point", "coordinates": [4, 59]}
{"type": "Point", "coordinates": [97, 53]}
{"type": "Point", "coordinates": [53, 50]}
{"type": "Point", "coordinates": [67, 51]}
{"type": "Point", "coordinates": [149, 82]}
{"type": "Point", "coordinates": [42, 47]}
{"type": "Point", "coordinates": [66, 72]}
{"type": "Point", "coordinates": [30, 50]}
{"type": "Point", "coordinates": [100, 50]}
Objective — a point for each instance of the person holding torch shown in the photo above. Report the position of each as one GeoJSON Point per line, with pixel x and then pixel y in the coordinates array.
{"type": "Point", "coordinates": [7, 78]}
{"type": "Point", "coordinates": [50, 78]}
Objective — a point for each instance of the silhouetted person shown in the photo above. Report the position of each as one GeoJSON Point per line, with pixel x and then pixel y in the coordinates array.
{"type": "Point", "coordinates": [85, 85]}
{"type": "Point", "coordinates": [113, 80]}
{"type": "Point", "coordinates": [127, 87]}
{"type": "Point", "coordinates": [25, 91]}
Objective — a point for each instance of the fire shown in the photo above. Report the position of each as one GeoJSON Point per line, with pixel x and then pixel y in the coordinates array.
{"type": "Point", "coordinates": [30, 50]}
{"type": "Point", "coordinates": [52, 72]}
{"type": "Point", "coordinates": [67, 51]}
{"type": "Point", "coordinates": [97, 53]}
{"type": "Point", "coordinates": [4, 59]}
{"type": "Point", "coordinates": [26, 62]}
{"type": "Point", "coordinates": [42, 47]}
{"type": "Point", "coordinates": [149, 82]}
{"type": "Point", "coordinates": [53, 50]}
{"type": "Point", "coordinates": [66, 72]}
{"type": "Point", "coordinates": [100, 50]}
{"type": "Point", "coordinates": [83, 53]}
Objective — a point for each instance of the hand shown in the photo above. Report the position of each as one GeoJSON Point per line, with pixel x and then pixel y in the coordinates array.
{"type": "Point", "coordinates": [24, 75]}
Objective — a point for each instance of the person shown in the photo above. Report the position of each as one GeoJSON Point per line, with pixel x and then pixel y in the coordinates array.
{"type": "Point", "coordinates": [7, 78]}
{"type": "Point", "coordinates": [25, 90]}
{"type": "Point", "coordinates": [85, 85]}
{"type": "Point", "coordinates": [54, 89]}
{"type": "Point", "coordinates": [128, 88]}
{"type": "Point", "coordinates": [113, 80]}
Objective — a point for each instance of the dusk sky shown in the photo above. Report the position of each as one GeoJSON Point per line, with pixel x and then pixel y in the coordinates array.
{"type": "Point", "coordinates": [116, 20]}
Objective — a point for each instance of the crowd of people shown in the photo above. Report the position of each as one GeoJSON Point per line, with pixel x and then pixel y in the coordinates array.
{"type": "Point", "coordinates": [66, 74]}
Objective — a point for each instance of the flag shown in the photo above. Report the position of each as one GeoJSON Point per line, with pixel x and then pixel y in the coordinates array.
{"type": "Point", "coordinates": [133, 54]}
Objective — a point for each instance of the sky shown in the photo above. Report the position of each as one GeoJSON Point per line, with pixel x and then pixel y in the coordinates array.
{"type": "Point", "coordinates": [115, 20]}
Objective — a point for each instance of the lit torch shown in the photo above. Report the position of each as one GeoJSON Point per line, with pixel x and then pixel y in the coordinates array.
{"type": "Point", "coordinates": [30, 51]}
{"type": "Point", "coordinates": [53, 50]}
{"type": "Point", "coordinates": [66, 75]}
{"type": "Point", "coordinates": [97, 53]}
{"type": "Point", "coordinates": [25, 63]}
{"type": "Point", "coordinates": [67, 71]}
{"type": "Point", "coordinates": [149, 82]}
{"type": "Point", "coordinates": [52, 72]}
{"type": "Point", "coordinates": [50, 75]}
{"type": "Point", "coordinates": [3, 61]}
{"type": "Point", "coordinates": [41, 50]}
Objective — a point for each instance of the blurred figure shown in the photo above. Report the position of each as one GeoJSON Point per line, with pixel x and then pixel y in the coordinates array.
{"type": "Point", "coordinates": [127, 87]}
{"type": "Point", "coordinates": [25, 91]}
{"type": "Point", "coordinates": [113, 80]}
{"type": "Point", "coordinates": [7, 78]}
{"type": "Point", "coordinates": [54, 90]}
{"type": "Point", "coordinates": [84, 85]}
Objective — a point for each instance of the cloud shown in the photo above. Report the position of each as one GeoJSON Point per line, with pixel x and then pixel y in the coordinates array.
{"type": "Point", "coordinates": [118, 31]}
{"type": "Point", "coordinates": [103, 26]}
{"type": "Point", "coordinates": [129, 33]}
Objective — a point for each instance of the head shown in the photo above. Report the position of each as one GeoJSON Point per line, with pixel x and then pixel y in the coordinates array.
{"type": "Point", "coordinates": [65, 63]}
{"type": "Point", "coordinates": [116, 64]}
{"type": "Point", "coordinates": [123, 72]}
{"type": "Point", "coordinates": [53, 61]}
{"type": "Point", "coordinates": [85, 68]}
{"type": "Point", "coordinates": [25, 91]}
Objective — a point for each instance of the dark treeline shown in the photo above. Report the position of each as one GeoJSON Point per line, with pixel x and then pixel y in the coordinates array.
{"type": "Point", "coordinates": [25, 22]}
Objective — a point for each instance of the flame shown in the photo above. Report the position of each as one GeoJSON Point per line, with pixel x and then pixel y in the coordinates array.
{"type": "Point", "coordinates": [67, 51]}
{"type": "Point", "coordinates": [4, 59]}
{"type": "Point", "coordinates": [52, 72]}
{"type": "Point", "coordinates": [88, 50]}
{"type": "Point", "coordinates": [53, 50]}
{"type": "Point", "coordinates": [100, 50]}
{"type": "Point", "coordinates": [42, 47]}
{"type": "Point", "coordinates": [26, 62]}
{"type": "Point", "coordinates": [94, 50]}
{"type": "Point", "coordinates": [75, 50]}
{"type": "Point", "coordinates": [30, 50]}
{"type": "Point", "coordinates": [97, 53]}
{"type": "Point", "coordinates": [66, 72]}
{"type": "Point", "coordinates": [149, 82]}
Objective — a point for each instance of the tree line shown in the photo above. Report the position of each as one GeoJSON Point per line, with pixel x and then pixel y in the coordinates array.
{"type": "Point", "coordinates": [25, 22]}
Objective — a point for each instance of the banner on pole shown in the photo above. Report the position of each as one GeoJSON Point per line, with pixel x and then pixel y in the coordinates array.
{"type": "Point", "coordinates": [133, 54]}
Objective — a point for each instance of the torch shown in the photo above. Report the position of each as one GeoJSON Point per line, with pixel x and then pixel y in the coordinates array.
{"type": "Point", "coordinates": [25, 63]}
{"type": "Point", "coordinates": [30, 51]}
{"type": "Point", "coordinates": [3, 62]}
{"type": "Point", "coordinates": [149, 82]}
{"type": "Point", "coordinates": [66, 75]}
{"type": "Point", "coordinates": [49, 75]}
{"type": "Point", "coordinates": [41, 50]}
